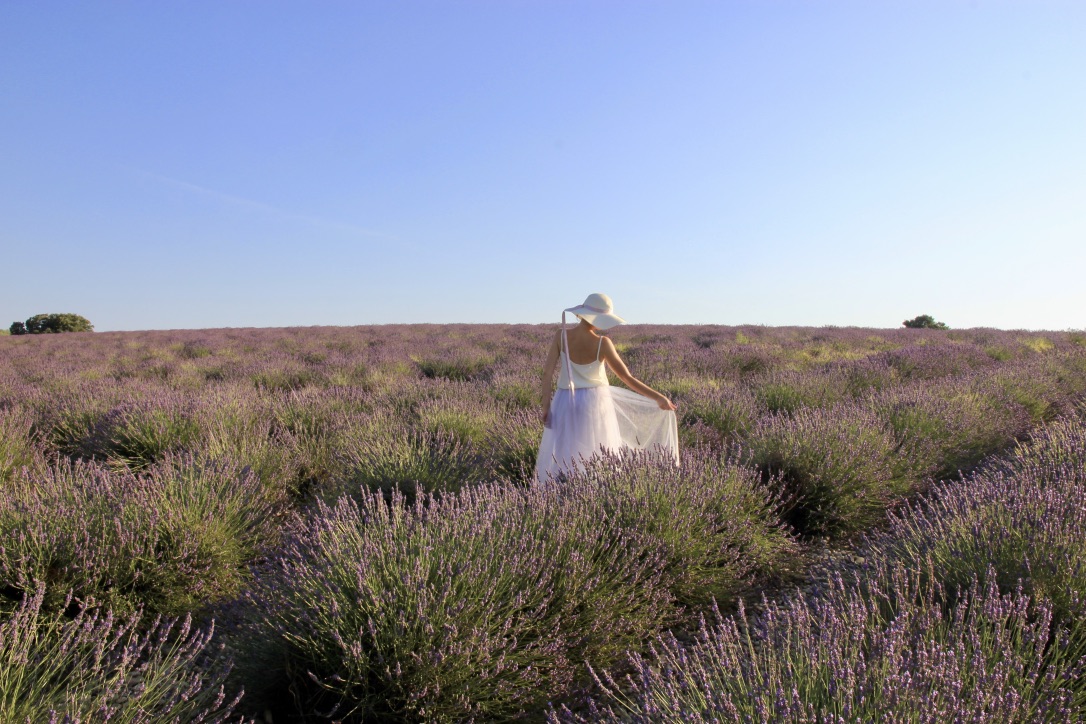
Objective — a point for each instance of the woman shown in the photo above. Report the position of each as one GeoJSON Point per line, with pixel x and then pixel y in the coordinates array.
{"type": "Point", "coordinates": [586, 416]}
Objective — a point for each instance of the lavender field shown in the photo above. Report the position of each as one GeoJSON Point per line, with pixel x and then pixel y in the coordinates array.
{"type": "Point", "coordinates": [338, 524]}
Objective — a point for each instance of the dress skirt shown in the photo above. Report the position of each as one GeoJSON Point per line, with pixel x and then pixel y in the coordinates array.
{"type": "Point", "coordinates": [601, 419]}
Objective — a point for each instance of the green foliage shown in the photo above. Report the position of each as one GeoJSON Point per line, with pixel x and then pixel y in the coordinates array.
{"type": "Point", "coordinates": [457, 370]}
{"type": "Point", "coordinates": [168, 541]}
{"type": "Point", "coordinates": [17, 328]}
{"type": "Point", "coordinates": [18, 447]}
{"type": "Point", "coordinates": [484, 604]}
{"type": "Point", "coordinates": [924, 321]}
{"type": "Point", "coordinates": [56, 323]}
{"type": "Point", "coordinates": [97, 667]}
{"type": "Point", "coordinates": [138, 436]}
{"type": "Point", "coordinates": [882, 650]}
{"type": "Point", "coordinates": [713, 521]}
{"type": "Point", "coordinates": [719, 418]}
{"type": "Point", "coordinates": [441, 612]}
{"type": "Point", "coordinates": [838, 468]}
{"type": "Point", "coordinates": [387, 456]}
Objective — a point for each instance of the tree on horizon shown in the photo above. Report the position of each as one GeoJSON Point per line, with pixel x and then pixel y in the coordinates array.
{"type": "Point", "coordinates": [52, 324]}
{"type": "Point", "coordinates": [924, 321]}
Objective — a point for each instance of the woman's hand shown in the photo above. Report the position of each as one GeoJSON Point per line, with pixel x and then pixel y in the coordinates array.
{"type": "Point", "coordinates": [546, 417]}
{"type": "Point", "coordinates": [665, 404]}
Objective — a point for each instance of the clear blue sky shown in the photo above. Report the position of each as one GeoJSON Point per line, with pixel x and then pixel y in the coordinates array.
{"type": "Point", "coordinates": [206, 164]}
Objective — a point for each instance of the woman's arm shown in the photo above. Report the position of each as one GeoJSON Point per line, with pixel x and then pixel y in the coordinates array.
{"type": "Point", "coordinates": [549, 366]}
{"type": "Point", "coordinates": [610, 355]}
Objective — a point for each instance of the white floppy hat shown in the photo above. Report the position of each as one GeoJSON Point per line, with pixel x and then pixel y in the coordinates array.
{"type": "Point", "coordinates": [598, 311]}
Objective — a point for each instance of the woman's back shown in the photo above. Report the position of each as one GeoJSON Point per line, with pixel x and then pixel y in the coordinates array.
{"type": "Point", "coordinates": [583, 374]}
{"type": "Point", "coordinates": [584, 347]}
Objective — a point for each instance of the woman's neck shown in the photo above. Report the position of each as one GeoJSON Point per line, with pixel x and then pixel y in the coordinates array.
{"type": "Point", "coordinates": [587, 328]}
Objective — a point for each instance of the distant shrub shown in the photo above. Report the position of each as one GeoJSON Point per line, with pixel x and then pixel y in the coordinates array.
{"type": "Point", "coordinates": [97, 667]}
{"type": "Point", "coordinates": [924, 321]}
{"type": "Point", "coordinates": [17, 328]}
{"type": "Point", "coordinates": [54, 324]}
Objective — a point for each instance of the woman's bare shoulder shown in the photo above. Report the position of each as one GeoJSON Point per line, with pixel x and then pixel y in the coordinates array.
{"type": "Point", "coordinates": [609, 350]}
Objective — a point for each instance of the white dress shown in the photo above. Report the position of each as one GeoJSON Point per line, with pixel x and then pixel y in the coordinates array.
{"type": "Point", "coordinates": [588, 416]}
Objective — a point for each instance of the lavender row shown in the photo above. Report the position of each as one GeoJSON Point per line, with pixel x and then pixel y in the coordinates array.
{"type": "Point", "coordinates": [480, 605]}
{"type": "Point", "coordinates": [175, 539]}
{"type": "Point", "coordinates": [97, 667]}
{"type": "Point", "coordinates": [969, 607]}
{"type": "Point", "coordinates": [885, 651]}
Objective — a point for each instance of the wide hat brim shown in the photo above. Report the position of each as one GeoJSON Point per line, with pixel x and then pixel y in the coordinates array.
{"type": "Point", "coordinates": [600, 320]}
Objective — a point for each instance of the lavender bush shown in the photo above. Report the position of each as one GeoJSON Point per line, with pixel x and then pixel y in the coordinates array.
{"type": "Point", "coordinates": [387, 455]}
{"type": "Point", "coordinates": [712, 519]}
{"type": "Point", "coordinates": [19, 447]}
{"type": "Point", "coordinates": [1056, 452]}
{"type": "Point", "coordinates": [474, 605]}
{"type": "Point", "coordinates": [717, 418]}
{"type": "Point", "coordinates": [839, 467]}
{"type": "Point", "coordinates": [459, 607]}
{"type": "Point", "coordinates": [950, 429]}
{"type": "Point", "coordinates": [789, 391]}
{"type": "Point", "coordinates": [1023, 521]}
{"type": "Point", "coordinates": [97, 667]}
{"type": "Point", "coordinates": [172, 540]}
{"type": "Point", "coordinates": [885, 651]}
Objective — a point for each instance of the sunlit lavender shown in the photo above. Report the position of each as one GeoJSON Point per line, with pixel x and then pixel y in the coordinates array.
{"type": "Point", "coordinates": [340, 524]}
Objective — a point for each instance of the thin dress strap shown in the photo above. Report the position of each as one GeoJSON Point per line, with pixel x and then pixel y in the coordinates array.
{"type": "Point", "coordinates": [598, 348]}
{"type": "Point", "coordinates": [569, 363]}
